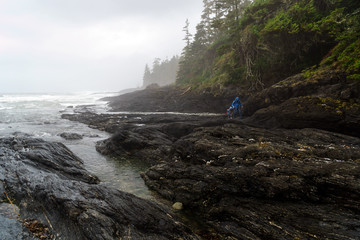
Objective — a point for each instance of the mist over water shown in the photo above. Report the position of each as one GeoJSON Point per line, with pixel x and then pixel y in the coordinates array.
{"type": "Point", "coordinates": [39, 115]}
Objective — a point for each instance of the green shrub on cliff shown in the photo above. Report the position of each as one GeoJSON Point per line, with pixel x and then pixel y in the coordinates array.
{"type": "Point", "coordinates": [269, 40]}
{"type": "Point", "coordinates": [346, 30]}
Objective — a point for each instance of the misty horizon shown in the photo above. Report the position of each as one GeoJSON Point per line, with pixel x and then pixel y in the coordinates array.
{"type": "Point", "coordinates": [67, 47]}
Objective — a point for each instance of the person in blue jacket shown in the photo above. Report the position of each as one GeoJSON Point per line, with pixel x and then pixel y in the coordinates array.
{"type": "Point", "coordinates": [237, 107]}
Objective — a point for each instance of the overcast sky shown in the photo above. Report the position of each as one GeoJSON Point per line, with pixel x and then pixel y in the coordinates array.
{"type": "Point", "coordinates": [87, 45]}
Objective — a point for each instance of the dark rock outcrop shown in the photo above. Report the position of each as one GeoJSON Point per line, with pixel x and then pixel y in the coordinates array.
{"type": "Point", "coordinates": [250, 183]}
{"type": "Point", "coordinates": [148, 137]}
{"type": "Point", "coordinates": [49, 183]}
{"type": "Point", "coordinates": [328, 101]}
{"type": "Point", "coordinates": [71, 136]}
{"type": "Point", "coordinates": [174, 99]}
{"type": "Point", "coordinates": [142, 142]}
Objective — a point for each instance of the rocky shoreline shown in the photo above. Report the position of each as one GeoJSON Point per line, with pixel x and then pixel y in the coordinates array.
{"type": "Point", "coordinates": [277, 174]}
{"type": "Point", "coordinates": [289, 170]}
{"type": "Point", "coordinates": [242, 181]}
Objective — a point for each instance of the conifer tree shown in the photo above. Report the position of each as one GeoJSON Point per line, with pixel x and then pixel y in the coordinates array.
{"type": "Point", "coordinates": [147, 76]}
{"type": "Point", "coordinates": [188, 35]}
{"type": "Point", "coordinates": [163, 72]}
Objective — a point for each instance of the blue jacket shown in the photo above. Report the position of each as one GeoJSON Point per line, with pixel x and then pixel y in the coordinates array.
{"type": "Point", "coordinates": [236, 103]}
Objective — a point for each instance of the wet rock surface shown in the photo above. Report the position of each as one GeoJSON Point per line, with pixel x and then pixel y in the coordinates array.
{"type": "Point", "coordinates": [146, 136]}
{"type": "Point", "coordinates": [255, 184]}
{"type": "Point", "coordinates": [11, 227]}
{"type": "Point", "coordinates": [242, 181]}
{"type": "Point", "coordinates": [49, 184]}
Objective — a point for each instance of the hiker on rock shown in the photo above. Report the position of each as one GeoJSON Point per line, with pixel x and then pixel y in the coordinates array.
{"type": "Point", "coordinates": [237, 105]}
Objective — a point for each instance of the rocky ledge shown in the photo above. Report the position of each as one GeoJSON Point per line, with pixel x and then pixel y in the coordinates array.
{"type": "Point", "coordinates": [54, 193]}
{"type": "Point", "coordinates": [244, 182]}
{"type": "Point", "coordinates": [174, 99]}
{"type": "Point", "coordinates": [146, 136]}
{"type": "Point", "coordinates": [326, 100]}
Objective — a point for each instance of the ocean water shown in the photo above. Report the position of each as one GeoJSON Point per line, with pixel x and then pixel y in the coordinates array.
{"type": "Point", "coordinates": [39, 115]}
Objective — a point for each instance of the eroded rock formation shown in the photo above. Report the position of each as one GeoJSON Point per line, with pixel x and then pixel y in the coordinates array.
{"type": "Point", "coordinates": [48, 183]}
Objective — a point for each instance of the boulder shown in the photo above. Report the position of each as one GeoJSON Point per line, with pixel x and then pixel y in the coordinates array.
{"type": "Point", "coordinates": [71, 136]}
{"type": "Point", "coordinates": [152, 140]}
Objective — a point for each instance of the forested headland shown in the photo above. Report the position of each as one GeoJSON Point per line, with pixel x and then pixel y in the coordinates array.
{"type": "Point", "coordinates": [254, 44]}
{"type": "Point", "coordinates": [293, 63]}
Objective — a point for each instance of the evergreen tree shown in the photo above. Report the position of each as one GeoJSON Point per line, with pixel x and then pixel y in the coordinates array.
{"type": "Point", "coordinates": [205, 24]}
{"type": "Point", "coordinates": [163, 72]}
{"type": "Point", "coordinates": [188, 35]}
{"type": "Point", "coordinates": [147, 76]}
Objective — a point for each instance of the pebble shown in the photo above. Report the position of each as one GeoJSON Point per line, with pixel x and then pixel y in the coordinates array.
{"type": "Point", "coordinates": [177, 206]}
